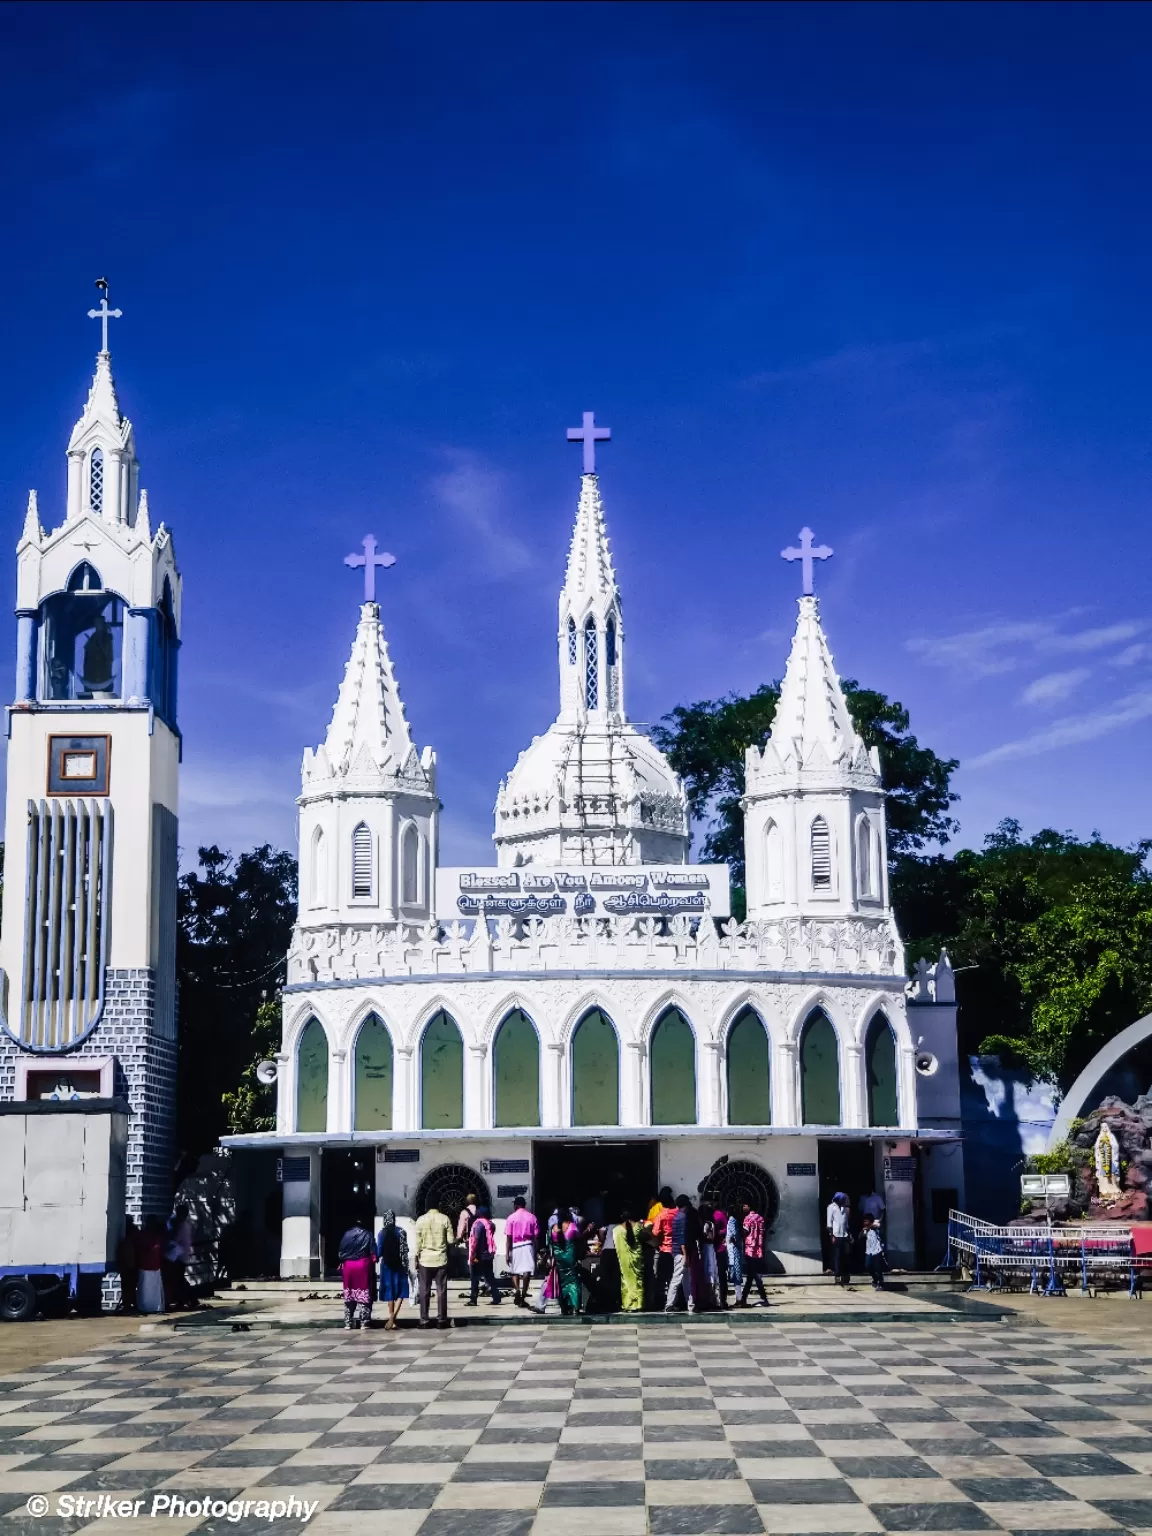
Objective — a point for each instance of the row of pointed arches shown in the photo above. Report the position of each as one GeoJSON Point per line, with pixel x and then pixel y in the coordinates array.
{"type": "Point", "coordinates": [584, 652]}
{"type": "Point", "coordinates": [594, 1073]}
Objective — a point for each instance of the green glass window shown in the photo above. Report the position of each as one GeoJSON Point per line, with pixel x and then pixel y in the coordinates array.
{"type": "Point", "coordinates": [442, 1075]}
{"type": "Point", "coordinates": [749, 1071]}
{"type": "Point", "coordinates": [880, 1066]}
{"type": "Point", "coordinates": [373, 1076]}
{"type": "Point", "coordinates": [819, 1072]}
{"type": "Point", "coordinates": [673, 1064]}
{"type": "Point", "coordinates": [516, 1071]}
{"type": "Point", "coordinates": [312, 1078]}
{"type": "Point", "coordinates": [595, 1071]}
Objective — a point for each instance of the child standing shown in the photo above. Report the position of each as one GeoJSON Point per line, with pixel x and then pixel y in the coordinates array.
{"type": "Point", "coordinates": [874, 1252]}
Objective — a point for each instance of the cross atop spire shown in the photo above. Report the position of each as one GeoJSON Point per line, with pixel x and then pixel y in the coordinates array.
{"type": "Point", "coordinates": [589, 434]}
{"type": "Point", "coordinates": [806, 554]}
{"type": "Point", "coordinates": [370, 560]}
{"type": "Point", "coordinates": [104, 314]}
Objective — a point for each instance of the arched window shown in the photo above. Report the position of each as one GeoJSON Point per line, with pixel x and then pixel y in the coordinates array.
{"type": "Point", "coordinates": [312, 1078]}
{"type": "Point", "coordinates": [86, 578]}
{"type": "Point", "coordinates": [819, 1072]}
{"type": "Point", "coordinates": [773, 862]}
{"type": "Point", "coordinates": [362, 861]}
{"type": "Point", "coordinates": [442, 1075]}
{"type": "Point", "coordinates": [595, 1071]}
{"type": "Point", "coordinates": [96, 481]}
{"type": "Point", "coordinates": [864, 872]}
{"type": "Point", "coordinates": [749, 1071]}
{"type": "Point", "coordinates": [84, 640]}
{"type": "Point", "coordinates": [410, 865]}
{"type": "Point", "coordinates": [516, 1072]}
{"type": "Point", "coordinates": [672, 1059]}
{"type": "Point", "coordinates": [821, 856]}
{"type": "Point", "coordinates": [162, 685]}
{"type": "Point", "coordinates": [571, 642]}
{"type": "Point", "coordinates": [373, 1080]}
{"type": "Point", "coordinates": [880, 1069]}
{"type": "Point", "coordinates": [319, 881]}
{"type": "Point", "coordinates": [610, 644]}
{"type": "Point", "coordinates": [591, 667]}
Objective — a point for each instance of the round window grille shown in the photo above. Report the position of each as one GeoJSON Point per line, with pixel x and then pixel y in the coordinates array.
{"type": "Point", "coordinates": [734, 1184]}
{"type": "Point", "coordinates": [445, 1188]}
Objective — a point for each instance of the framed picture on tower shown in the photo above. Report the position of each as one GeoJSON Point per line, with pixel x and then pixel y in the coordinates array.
{"type": "Point", "coordinates": [79, 765]}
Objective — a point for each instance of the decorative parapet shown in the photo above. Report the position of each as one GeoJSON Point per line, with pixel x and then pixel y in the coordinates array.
{"type": "Point", "coordinates": [345, 952]}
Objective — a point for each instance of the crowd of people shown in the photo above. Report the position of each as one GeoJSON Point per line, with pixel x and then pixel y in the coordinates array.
{"type": "Point", "coordinates": [678, 1254]}
{"type": "Point", "coordinates": [153, 1260]}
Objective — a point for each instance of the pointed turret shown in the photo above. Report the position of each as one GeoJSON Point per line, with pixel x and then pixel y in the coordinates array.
{"type": "Point", "coordinates": [814, 827]}
{"type": "Point", "coordinates": [103, 474]}
{"type": "Point", "coordinates": [592, 789]}
{"type": "Point", "coordinates": [590, 573]}
{"type": "Point", "coordinates": [369, 812]}
{"type": "Point", "coordinates": [812, 728]}
{"type": "Point", "coordinates": [368, 711]}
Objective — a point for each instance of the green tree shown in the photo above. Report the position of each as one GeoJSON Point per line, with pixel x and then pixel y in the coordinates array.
{"type": "Point", "coordinates": [706, 742]}
{"type": "Point", "coordinates": [252, 1106]}
{"type": "Point", "coordinates": [1054, 935]}
{"type": "Point", "coordinates": [234, 925]}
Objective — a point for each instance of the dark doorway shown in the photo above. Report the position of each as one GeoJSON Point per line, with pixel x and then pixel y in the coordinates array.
{"type": "Point", "coordinates": [347, 1195]}
{"type": "Point", "coordinates": [621, 1174]}
{"type": "Point", "coordinates": [850, 1167]}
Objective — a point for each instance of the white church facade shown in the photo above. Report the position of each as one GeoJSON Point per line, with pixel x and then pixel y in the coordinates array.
{"type": "Point", "coordinates": [584, 1019]}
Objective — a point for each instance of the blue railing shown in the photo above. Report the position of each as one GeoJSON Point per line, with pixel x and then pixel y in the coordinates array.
{"type": "Point", "coordinates": [1098, 1254]}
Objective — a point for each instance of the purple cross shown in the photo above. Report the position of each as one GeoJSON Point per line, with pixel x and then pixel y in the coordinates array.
{"type": "Point", "coordinates": [589, 434]}
{"type": "Point", "coordinates": [370, 560]}
{"type": "Point", "coordinates": [806, 554]}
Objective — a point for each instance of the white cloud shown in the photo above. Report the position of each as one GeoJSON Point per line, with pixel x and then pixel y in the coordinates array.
{"type": "Point", "coordinates": [1004, 646]}
{"type": "Point", "coordinates": [238, 803]}
{"type": "Point", "coordinates": [474, 491]}
{"type": "Point", "coordinates": [1071, 731]}
{"type": "Point", "coordinates": [1055, 687]}
{"type": "Point", "coordinates": [1130, 655]}
{"type": "Point", "coordinates": [980, 652]}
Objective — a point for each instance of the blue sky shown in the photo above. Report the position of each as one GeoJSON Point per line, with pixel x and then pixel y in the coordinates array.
{"type": "Point", "coordinates": [880, 269]}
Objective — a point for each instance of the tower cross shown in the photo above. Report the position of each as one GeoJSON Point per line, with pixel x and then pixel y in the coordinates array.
{"type": "Point", "coordinates": [589, 434]}
{"type": "Point", "coordinates": [104, 314]}
{"type": "Point", "coordinates": [806, 554]}
{"type": "Point", "coordinates": [370, 560]}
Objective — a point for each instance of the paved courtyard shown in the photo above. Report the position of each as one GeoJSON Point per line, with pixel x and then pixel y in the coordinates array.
{"type": "Point", "coordinates": [611, 1430]}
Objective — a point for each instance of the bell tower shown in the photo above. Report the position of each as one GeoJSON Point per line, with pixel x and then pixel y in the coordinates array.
{"type": "Point", "coordinates": [88, 943]}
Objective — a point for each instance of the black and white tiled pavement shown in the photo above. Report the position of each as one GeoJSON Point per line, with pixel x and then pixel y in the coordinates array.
{"type": "Point", "coordinates": [605, 1430]}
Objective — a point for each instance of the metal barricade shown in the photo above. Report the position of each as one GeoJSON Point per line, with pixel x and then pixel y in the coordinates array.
{"type": "Point", "coordinates": [1099, 1255]}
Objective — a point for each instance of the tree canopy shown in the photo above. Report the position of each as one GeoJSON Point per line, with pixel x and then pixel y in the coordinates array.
{"type": "Point", "coordinates": [706, 742]}
{"type": "Point", "coordinates": [234, 925]}
{"type": "Point", "coordinates": [1052, 936]}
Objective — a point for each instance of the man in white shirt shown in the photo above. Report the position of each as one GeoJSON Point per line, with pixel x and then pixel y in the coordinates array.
{"type": "Point", "coordinates": [839, 1231]}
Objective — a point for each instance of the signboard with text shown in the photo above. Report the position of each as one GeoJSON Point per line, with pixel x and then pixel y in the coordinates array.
{"type": "Point", "coordinates": [537, 890]}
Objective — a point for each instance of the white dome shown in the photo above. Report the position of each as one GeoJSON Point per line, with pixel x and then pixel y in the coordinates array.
{"type": "Point", "coordinates": [592, 793]}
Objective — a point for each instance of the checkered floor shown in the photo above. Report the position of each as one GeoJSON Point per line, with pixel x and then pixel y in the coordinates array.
{"type": "Point", "coordinates": [611, 1430]}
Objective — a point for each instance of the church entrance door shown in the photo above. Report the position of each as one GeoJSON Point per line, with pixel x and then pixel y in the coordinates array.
{"type": "Point", "coordinates": [612, 1175]}
{"type": "Point", "coordinates": [847, 1167]}
{"type": "Point", "coordinates": [347, 1195]}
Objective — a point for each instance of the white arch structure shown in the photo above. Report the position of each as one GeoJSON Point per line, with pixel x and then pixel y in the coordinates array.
{"type": "Point", "coordinates": [1104, 1060]}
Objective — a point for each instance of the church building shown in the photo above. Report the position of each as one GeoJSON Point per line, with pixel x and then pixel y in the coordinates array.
{"type": "Point", "coordinates": [88, 944]}
{"type": "Point", "coordinates": [583, 1020]}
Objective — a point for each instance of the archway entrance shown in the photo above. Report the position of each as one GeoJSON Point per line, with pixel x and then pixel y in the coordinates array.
{"type": "Point", "coordinates": [619, 1174]}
